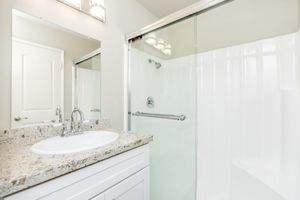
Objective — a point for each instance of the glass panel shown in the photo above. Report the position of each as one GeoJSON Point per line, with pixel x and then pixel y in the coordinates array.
{"type": "Point", "coordinates": [88, 84]}
{"type": "Point", "coordinates": [162, 81]}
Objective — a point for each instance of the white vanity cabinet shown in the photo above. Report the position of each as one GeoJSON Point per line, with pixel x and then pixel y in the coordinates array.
{"type": "Point", "coordinates": [122, 177]}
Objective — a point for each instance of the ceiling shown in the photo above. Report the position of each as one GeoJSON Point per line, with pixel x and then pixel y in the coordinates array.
{"type": "Point", "coordinates": [162, 8]}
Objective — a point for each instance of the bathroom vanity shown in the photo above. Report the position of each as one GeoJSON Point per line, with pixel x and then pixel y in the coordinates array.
{"type": "Point", "coordinates": [54, 142]}
{"type": "Point", "coordinates": [123, 177]}
{"type": "Point", "coordinates": [115, 171]}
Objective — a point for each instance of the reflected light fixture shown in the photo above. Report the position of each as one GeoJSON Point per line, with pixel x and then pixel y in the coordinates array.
{"type": "Point", "coordinates": [93, 8]}
{"type": "Point", "coordinates": [167, 50]}
{"type": "Point", "coordinates": [160, 45]}
{"type": "Point", "coordinates": [151, 40]}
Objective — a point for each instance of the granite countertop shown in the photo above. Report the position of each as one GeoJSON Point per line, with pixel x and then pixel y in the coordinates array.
{"type": "Point", "coordinates": [21, 169]}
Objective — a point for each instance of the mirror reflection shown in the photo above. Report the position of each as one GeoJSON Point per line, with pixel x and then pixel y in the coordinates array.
{"type": "Point", "coordinates": [87, 88]}
{"type": "Point", "coordinates": [53, 71]}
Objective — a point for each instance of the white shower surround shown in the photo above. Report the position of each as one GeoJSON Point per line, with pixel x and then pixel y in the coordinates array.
{"type": "Point", "coordinates": [248, 107]}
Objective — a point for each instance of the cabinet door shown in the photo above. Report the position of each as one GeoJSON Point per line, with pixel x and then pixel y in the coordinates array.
{"type": "Point", "coordinates": [135, 187]}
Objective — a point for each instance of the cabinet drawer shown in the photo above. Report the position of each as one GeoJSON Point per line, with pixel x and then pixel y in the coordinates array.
{"type": "Point", "coordinates": [135, 187]}
{"type": "Point", "coordinates": [86, 183]}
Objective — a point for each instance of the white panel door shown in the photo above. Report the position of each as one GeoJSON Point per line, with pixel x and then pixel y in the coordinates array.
{"type": "Point", "coordinates": [135, 187]}
{"type": "Point", "coordinates": [37, 83]}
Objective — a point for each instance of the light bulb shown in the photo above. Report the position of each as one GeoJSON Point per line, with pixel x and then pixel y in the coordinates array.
{"type": "Point", "coordinates": [160, 45]}
{"type": "Point", "coordinates": [97, 12]}
{"type": "Point", "coordinates": [74, 3]}
{"type": "Point", "coordinates": [97, 9]}
{"type": "Point", "coordinates": [100, 2]}
{"type": "Point", "coordinates": [151, 41]}
{"type": "Point", "coordinates": [167, 50]}
{"type": "Point", "coordinates": [168, 46]}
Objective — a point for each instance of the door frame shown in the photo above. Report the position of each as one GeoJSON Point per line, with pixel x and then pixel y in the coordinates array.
{"type": "Point", "coordinates": [62, 52]}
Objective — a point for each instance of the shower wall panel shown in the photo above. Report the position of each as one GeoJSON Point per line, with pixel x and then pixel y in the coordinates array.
{"type": "Point", "coordinates": [240, 118]}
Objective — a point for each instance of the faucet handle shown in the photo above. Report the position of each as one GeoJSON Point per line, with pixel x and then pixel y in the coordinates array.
{"type": "Point", "coordinates": [65, 129]}
{"type": "Point", "coordinates": [58, 112]}
{"type": "Point", "coordinates": [78, 127]}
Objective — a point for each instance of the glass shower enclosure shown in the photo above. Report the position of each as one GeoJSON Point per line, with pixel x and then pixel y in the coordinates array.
{"type": "Point", "coordinates": [223, 103]}
{"type": "Point", "coordinates": [162, 103]}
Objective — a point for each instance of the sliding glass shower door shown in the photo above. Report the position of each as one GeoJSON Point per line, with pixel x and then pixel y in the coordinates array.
{"type": "Point", "coordinates": [163, 103]}
{"type": "Point", "coordinates": [199, 85]}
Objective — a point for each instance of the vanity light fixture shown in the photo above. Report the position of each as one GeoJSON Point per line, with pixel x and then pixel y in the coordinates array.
{"type": "Point", "coordinates": [93, 8]}
{"type": "Point", "coordinates": [160, 45]}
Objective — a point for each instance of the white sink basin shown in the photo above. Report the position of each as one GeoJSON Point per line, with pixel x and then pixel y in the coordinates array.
{"type": "Point", "coordinates": [71, 144]}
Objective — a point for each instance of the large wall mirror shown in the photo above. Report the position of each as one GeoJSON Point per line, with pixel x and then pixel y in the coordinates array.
{"type": "Point", "coordinates": [53, 71]}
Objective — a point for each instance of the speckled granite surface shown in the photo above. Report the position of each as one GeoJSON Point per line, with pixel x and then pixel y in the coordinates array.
{"type": "Point", "coordinates": [21, 169]}
{"type": "Point", "coordinates": [30, 134]}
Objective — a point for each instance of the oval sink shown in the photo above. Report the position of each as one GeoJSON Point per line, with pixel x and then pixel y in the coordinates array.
{"type": "Point", "coordinates": [71, 144]}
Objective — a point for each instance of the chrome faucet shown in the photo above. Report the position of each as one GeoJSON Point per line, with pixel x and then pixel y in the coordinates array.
{"type": "Point", "coordinates": [76, 127]}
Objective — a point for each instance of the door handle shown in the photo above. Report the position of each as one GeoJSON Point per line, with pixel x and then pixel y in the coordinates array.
{"type": "Point", "coordinates": [17, 119]}
{"type": "Point", "coordinates": [95, 110]}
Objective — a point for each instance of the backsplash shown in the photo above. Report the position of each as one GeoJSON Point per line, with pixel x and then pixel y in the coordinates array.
{"type": "Point", "coordinates": [30, 134]}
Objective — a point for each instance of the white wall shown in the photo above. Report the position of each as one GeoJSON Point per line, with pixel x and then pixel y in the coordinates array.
{"type": "Point", "coordinates": [243, 21]}
{"type": "Point", "coordinates": [122, 17]}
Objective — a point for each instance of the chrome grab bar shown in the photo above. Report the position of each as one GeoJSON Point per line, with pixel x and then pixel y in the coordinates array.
{"type": "Point", "coordinates": [162, 116]}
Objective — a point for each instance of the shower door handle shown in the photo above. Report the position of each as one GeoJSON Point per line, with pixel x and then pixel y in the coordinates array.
{"type": "Point", "coordinates": [95, 110]}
